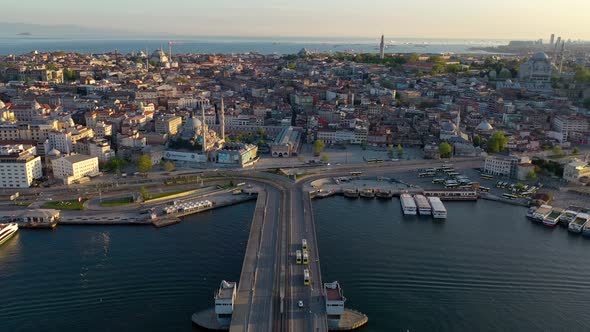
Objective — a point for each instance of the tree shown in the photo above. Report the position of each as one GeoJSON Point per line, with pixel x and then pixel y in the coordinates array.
{"type": "Point", "coordinates": [445, 149]}
{"type": "Point", "coordinates": [144, 163]}
{"type": "Point", "coordinates": [318, 147]}
{"type": "Point", "coordinates": [168, 166]}
{"type": "Point", "coordinates": [497, 142]}
{"type": "Point", "coordinates": [400, 150]}
{"type": "Point", "coordinates": [477, 141]}
{"type": "Point", "coordinates": [531, 175]}
{"type": "Point", "coordinates": [324, 158]}
{"type": "Point", "coordinates": [143, 192]}
{"type": "Point", "coordinates": [413, 58]}
{"type": "Point", "coordinates": [390, 151]}
{"type": "Point", "coordinates": [557, 151]}
{"type": "Point", "coordinates": [576, 150]}
{"type": "Point", "coordinates": [69, 75]}
{"type": "Point", "coordinates": [116, 165]}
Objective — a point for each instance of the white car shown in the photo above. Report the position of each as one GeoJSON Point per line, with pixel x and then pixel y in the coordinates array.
{"type": "Point", "coordinates": [300, 304]}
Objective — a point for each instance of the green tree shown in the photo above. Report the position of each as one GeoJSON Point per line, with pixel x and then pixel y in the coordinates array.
{"type": "Point", "coordinates": [497, 142]}
{"type": "Point", "coordinates": [413, 58]}
{"type": "Point", "coordinates": [69, 75]}
{"type": "Point", "coordinates": [390, 151]}
{"type": "Point", "coordinates": [531, 175]}
{"type": "Point", "coordinates": [576, 150]}
{"type": "Point", "coordinates": [116, 165]}
{"type": "Point", "coordinates": [324, 158]}
{"type": "Point", "coordinates": [400, 150]}
{"type": "Point", "coordinates": [168, 166]}
{"type": "Point", "coordinates": [477, 141]}
{"type": "Point", "coordinates": [586, 103]}
{"type": "Point", "coordinates": [445, 149]}
{"type": "Point", "coordinates": [144, 163]}
{"type": "Point", "coordinates": [557, 151]}
{"type": "Point", "coordinates": [143, 192]}
{"type": "Point", "coordinates": [318, 147]}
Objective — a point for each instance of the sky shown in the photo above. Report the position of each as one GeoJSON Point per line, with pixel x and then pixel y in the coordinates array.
{"type": "Point", "coordinates": [462, 19]}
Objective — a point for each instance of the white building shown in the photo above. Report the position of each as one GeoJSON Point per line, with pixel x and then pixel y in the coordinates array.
{"type": "Point", "coordinates": [563, 125]}
{"type": "Point", "coordinates": [19, 166]}
{"type": "Point", "coordinates": [61, 141]}
{"type": "Point", "coordinates": [574, 171]}
{"type": "Point", "coordinates": [334, 302]}
{"type": "Point", "coordinates": [224, 302]}
{"type": "Point", "coordinates": [74, 167]}
{"type": "Point", "coordinates": [505, 165]}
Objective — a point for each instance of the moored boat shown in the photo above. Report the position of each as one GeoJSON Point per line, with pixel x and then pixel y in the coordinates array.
{"type": "Point", "coordinates": [577, 225]}
{"type": "Point", "coordinates": [367, 193]}
{"type": "Point", "coordinates": [438, 208]}
{"type": "Point", "coordinates": [423, 206]}
{"type": "Point", "coordinates": [351, 193]}
{"type": "Point", "coordinates": [567, 217]}
{"type": "Point", "coordinates": [542, 212]}
{"type": "Point", "coordinates": [552, 218]}
{"type": "Point", "coordinates": [408, 204]}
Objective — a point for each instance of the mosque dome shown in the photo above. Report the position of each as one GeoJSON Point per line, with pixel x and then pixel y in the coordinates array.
{"type": "Point", "coordinates": [541, 56]}
{"type": "Point", "coordinates": [485, 126]}
{"type": "Point", "coordinates": [54, 153]}
{"type": "Point", "coordinates": [448, 126]}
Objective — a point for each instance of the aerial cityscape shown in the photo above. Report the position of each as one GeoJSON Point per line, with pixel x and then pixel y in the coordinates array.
{"type": "Point", "coordinates": [176, 176]}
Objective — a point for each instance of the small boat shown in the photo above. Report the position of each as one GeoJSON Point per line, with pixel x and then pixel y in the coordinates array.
{"type": "Point", "coordinates": [7, 231]}
{"type": "Point", "coordinates": [351, 193]}
{"type": "Point", "coordinates": [367, 193]}
{"type": "Point", "coordinates": [384, 194]}
{"type": "Point", "coordinates": [542, 212]}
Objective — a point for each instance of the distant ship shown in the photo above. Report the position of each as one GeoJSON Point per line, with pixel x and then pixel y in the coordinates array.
{"type": "Point", "coordinates": [24, 34]}
{"type": "Point", "coordinates": [7, 231]}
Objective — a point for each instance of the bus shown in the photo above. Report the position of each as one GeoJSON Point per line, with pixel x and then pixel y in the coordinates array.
{"type": "Point", "coordinates": [298, 255]}
{"type": "Point", "coordinates": [306, 278]}
{"type": "Point", "coordinates": [305, 258]}
{"type": "Point", "coordinates": [509, 196]}
{"type": "Point", "coordinates": [438, 181]}
{"type": "Point", "coordinates": [453, 174]}
{"type": "Point", "coordinates": [484, 189]}
{"type": "Point", "coordinates": [304, 244]}
{"type": "Point", "coordinates": [486, 177]}
{"type": "Point", "coordinates": [356, 173]}
{"type": "Point", "coordinates": [425, 174]}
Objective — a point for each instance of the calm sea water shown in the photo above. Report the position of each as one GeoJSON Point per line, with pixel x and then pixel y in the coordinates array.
{"type": "Point", "coordinates": [486, 268]}
{"type": "Point", "coordinates": [127, 278]}
{"type": "Point", "coordinates": [239, 45]}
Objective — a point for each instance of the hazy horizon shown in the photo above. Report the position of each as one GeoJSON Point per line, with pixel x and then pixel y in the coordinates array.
{"type": "Point", "coordinates": [456, 19]}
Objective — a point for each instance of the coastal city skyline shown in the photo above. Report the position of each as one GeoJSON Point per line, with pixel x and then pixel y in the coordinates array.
{"type": "Point", "coordinates": [157, 175]}
{"type": "Point", "coordinates": [426, 19]}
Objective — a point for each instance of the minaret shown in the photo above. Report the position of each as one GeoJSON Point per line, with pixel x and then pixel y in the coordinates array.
{"type": "Point", "coordinates": [382, 48]}
{"type": "Point", "coordinates": [222, 120]}
{"type": "Point", "coordinates": [203, 130]}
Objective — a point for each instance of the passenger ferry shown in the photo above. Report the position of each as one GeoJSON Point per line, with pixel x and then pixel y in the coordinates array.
{"type": "Point", "coordinates": [542, 212]}
{"type": "Point", "coordinates": [438, 209]}
{"type": "Point", "coordinates": [567, 217]}
{"type": "Point", "coordinates": [577, 225]}
{"type": "Point", "coordinates": [423, 206]}
{"type": "Point", "coordinates": [7, 231]}
{"type": "Point", "coordinates": [552, 219]}
{"type": "Point", "coordinates": [408, 204]}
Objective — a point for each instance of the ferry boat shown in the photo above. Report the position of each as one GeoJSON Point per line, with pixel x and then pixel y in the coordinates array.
{"type": "Point", "coordinates": [7, 231]}
{"type": "Point", "coordinates": [423, 206]}
{"type": "Point", "coordinates": [408, 204]}
{"type": "Point", "coordinates": [567, 217]}
{"type": "Point", "coordinates": [552, 219]}
{"type": "Point", "coordinates": [438, 209]}
{"type": "Point", "coordinates": [586, 230]}
{"type": "Point", "coordinates": [351, 193]}
{"type": "Point", "coordinates": [542, 212]}
{"type": "Point", "coordinates": [367, 193]}
{"type": "Point", "coordinates": [384, 194]}
{"type": "Point", "coordinates": [577, 225]}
